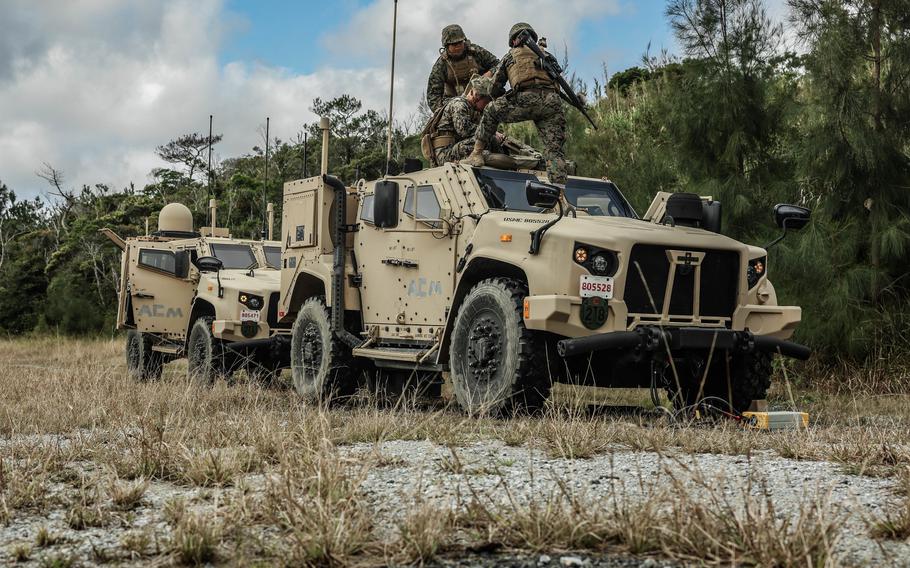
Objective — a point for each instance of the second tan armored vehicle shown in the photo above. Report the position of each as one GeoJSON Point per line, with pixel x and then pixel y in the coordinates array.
{"type": "Point", "coordinates": [201, 295]}
{"type": "Point", "coordinates": [510, 284]}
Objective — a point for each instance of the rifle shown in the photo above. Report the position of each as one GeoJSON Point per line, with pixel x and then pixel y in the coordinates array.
{"type": "Point", "coordinates": [565, 90]}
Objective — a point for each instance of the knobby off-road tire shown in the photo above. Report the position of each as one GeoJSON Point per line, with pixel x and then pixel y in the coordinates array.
{"type": "Point", "coordinates": [748, 379]}
{"type": "Point", "coordinates": [497, 365]}
{"type": "Point", "coordinates": [142, 364]}
{"type": "Point", "coordinates": [205, 355]}
{"type": "Point", "coordinates": [321, 366]}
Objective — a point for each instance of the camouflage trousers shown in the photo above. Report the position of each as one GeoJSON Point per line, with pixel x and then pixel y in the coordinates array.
{"type": "Point", "coordinates": [544, 107]}
{"type": "Point", "coordinates": [454, 152]}
{"type": "Point", "coordinates": [461, 149]}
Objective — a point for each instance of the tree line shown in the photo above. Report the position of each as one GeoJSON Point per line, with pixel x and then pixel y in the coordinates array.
{"type": "Point", "coordinates": [736, 116]}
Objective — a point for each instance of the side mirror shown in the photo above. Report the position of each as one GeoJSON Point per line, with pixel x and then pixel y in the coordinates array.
{"type": "Point", "coordinates": [541, 195]}
{"type": "Point", "coordinates": [790, 217]}
{"type": "Point", "coordinates": [209, 264]}
{"type": "Point", "coordinates": [385, 204]}
{"type": "Point", "coordinates": [182, 264]}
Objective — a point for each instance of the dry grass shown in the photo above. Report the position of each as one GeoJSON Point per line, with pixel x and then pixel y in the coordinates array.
{"type": "Point", "coordinates": [68, 409]}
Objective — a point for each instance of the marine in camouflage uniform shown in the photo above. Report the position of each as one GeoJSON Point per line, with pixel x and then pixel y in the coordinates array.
{"type": "Point", "coordinates": [452, 70]}
{"type": "Point", "coordinates": [534, 96]}
{"type": "Point", "coordinates": [453, 138]}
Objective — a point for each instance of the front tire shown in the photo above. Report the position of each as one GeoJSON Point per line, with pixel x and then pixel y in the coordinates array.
{"type": "Point", "coordinates": [320, 363]}
{"type": "Point", "coordinates": [142, 363]}
{"type": "Point", "coordinates": [205, 356]}
{"type": "Point", "coordinates": [496, 363]}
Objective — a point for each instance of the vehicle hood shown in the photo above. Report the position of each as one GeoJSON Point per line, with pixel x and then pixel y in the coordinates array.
{"type": "Point", "coordinates": [613, 232]}
{"type": "Point", "coordinates": [265, 280]}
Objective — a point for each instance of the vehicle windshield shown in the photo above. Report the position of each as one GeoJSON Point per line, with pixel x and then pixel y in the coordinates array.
{"type": "Point", "coordinates": [273, 256]}
{"type": "Point", "coordinates": [234, 255]}
{"type": "Point", "coordinates": [601, 198]}
{"type": "Point", "coordinates": [506, 190]}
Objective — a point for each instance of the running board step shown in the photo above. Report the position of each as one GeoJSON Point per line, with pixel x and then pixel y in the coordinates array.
{"type": "Point", "coordinates": [169, 349]}
{"type": "Point", "coordinates": [402, 354]}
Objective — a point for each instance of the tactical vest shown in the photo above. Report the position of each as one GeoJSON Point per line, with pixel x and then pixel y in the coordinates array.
{"type": "Point", "coordinates": [459, 72]}
{"type": "Point", "coordinates": [524, 72]}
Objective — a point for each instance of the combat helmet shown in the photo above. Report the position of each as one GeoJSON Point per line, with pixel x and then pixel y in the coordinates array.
{"type": "Point", "coordinates": [520, 27]}
{"type": "Point", "coordinates": [481, 85]}
{"type": "Point", "coordinates": [452, 34]}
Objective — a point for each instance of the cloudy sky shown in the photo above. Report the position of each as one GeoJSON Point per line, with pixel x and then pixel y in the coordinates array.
{"type": "Point", "coordinates": [92, 86]}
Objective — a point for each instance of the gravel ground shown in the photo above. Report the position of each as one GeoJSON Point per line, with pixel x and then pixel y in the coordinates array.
{"type": "Point", "coordinates": [447, 477]}
{"type": "Point", "coordinates": [425, 469]}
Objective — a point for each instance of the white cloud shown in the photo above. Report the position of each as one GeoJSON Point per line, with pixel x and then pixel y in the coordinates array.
{"type": "Point", "coordinates": [93, 86]}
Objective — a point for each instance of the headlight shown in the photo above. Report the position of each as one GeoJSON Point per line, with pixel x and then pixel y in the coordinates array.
{"type": "Point", "coordinates": [251, 301]}
{"type": "Point", "coordinates": [757, 269]}
{"type": "Point", "coordinates": [597, 261]}
{"type": "Point", "coordinates": [600, 264]}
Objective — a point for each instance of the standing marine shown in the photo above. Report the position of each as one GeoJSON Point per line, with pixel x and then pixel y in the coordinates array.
{"type": "Point", "coordinates": [451, 130]}
{"type": "Point", "coordinates": [534, 96]}
{"type": "Point", "coordinates": [458, 61]}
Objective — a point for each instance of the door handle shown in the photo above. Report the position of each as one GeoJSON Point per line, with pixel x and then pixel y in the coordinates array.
{"type": "Point", "coordinates": [400, 262]}
{"type": "Point", "coordinates": [144, 296]}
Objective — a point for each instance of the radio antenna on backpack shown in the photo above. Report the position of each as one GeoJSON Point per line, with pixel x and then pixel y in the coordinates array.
{"type": "Point", "coordinates": [388, 155]}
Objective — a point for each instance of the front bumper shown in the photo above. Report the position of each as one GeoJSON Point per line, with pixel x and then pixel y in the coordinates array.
{"type": "Point", "coordinates": [645, 339]}
{"type": "Point", "coordinates": [561, 315]}
{"type": "Point", "coordinates": [231, 330]}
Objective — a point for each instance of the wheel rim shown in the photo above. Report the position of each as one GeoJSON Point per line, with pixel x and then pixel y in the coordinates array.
{"type": "Point", "coordinates": [311, 351]}
{"type": "Point", "coordinates": [485, 348]}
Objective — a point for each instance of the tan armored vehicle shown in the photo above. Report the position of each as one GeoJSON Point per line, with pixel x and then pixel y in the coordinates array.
{"type": "Point", "coordinates": [510, 284]}
{"type": "Point", "coordinates": [201, 295]}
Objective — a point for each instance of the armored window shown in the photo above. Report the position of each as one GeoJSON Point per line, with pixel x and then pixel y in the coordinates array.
{"type": "Point", "coordinates": [158, 259]}
{"type": "Point", "coordinates": [427, 206]}
{"type": "Point", "coordinates": [273, 256]}
{"type": "Point", "coordinates": [366, 211]}
{"type": "Point", "coordinates": [600, 198]}
{"type": "Point", "coordinates": [234, 256]}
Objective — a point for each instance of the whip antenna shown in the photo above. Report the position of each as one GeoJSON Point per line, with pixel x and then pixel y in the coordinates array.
{"type": "Point", "coordinates": [388, 155]}
{"type": "Point", "coordinates": [209, 182]}
{"type": "Point", "coordinates": [265, 187]}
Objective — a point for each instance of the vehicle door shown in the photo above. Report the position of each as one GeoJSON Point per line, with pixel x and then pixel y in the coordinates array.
{"type": "Point", "coordinates": [408, 270]}
{"type": "Point", "coordinates": [160, 287]}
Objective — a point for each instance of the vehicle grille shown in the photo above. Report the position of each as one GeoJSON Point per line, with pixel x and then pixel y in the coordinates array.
{"type": "Point", "coordinates": [271, 315]}
{"type": "Point", "coordinates": [719, 283]}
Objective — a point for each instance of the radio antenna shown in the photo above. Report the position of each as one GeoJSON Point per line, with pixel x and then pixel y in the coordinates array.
{"type": "Point", "coordinates": [388, 155]}
{"type": "Point", "coordinates": [266, 186]}
{"type": "Point", "coordinates": [209, 181]}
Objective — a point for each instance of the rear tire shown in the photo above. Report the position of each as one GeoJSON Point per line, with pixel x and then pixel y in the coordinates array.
{"type": "Point", "coordinates": [142, 363]}
{"type": "Point", "coordinates": [205, 356]}
{"type": "Point", "coordinates": [320, 363]}
{"type": "Point", "coordinates": [496, 363]}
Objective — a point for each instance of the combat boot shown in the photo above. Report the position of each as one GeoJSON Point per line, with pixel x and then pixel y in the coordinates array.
{"type": "Point", "coordinates": [475, 158]}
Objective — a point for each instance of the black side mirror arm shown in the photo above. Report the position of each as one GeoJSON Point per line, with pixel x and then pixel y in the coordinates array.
{"type": "Point", "coordinates": [778, 239]}
{"type": "Point", "coordinates": [537, 235]}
